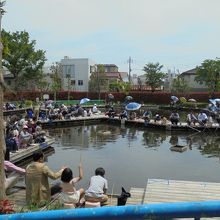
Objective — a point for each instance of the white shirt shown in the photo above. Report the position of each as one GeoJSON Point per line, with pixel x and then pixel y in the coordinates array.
{"type": "Point", "coordinates": [94, 109]}
{"type": "Point", "coordinates": [97, 185]}
{"type": "Point", "coordinates": [202, 116]}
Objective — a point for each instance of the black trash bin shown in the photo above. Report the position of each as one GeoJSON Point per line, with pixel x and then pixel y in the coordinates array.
{"type": "Point", "coordinates": [122, 199]}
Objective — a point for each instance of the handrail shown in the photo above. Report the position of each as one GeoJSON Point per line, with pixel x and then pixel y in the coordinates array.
{"type": "Point", "coordinates": [134, 212]}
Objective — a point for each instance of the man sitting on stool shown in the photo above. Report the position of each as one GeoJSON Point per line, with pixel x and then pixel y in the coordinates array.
{"type": "Point", "coordinates": [174, 118]}
{"type": "Point", "coordinates": [202, 118]}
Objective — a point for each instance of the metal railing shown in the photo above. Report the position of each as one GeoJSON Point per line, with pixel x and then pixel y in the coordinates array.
{"type": "Point", "coordinates": [194, 210]}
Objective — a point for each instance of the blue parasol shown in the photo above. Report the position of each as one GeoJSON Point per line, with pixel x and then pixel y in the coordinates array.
{"type": "Point", "coordinates": [132, 106]}
{"type": "Point", "coordinates": [84, 100]}
{"type": "Point", "coordinates": [174, 98]}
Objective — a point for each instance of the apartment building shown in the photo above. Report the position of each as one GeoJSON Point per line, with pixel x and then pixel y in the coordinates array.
{"type": "Point", "coordinates": [76, 73]}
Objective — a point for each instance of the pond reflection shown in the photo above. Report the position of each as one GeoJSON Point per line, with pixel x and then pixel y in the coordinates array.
{"type": "Point", "coordinates": [130, 156]}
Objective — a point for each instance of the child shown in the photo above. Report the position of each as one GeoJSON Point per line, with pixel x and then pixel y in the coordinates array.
{"type": "Point", "coordinates": [98, 187]}
{"type": "Point", "coordinates": [69, 193]}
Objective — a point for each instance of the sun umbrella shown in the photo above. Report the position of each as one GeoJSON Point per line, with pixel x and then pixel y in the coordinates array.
{"type": "Point", "coordinates": [214, 101]}
{"type": "Point", "coordinates": [191, 100]}
{"type": "Point", "coordinates": [84, 100]}
{"type": "Point", "coordinates": [182, 99]}
{"type": "Point", "coordinates": [110, 96]}
{"type": "Point", "coordinates": [128, 97]}
{"type": "Point", "coordinates": [174, 98]}
{"type": "Point", "coordinates": [132, 106]}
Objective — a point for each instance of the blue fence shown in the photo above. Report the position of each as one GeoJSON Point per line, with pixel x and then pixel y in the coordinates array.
{"type": "Point", "coordinates": [151, 211]}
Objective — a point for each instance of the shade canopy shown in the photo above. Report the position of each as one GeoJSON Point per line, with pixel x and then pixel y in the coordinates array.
{"type": "Point", "coordinates": [174, 98]}
{"type": "Point", "coordinates": [183, 99]}
{"type": "Point", "coordinates": [84, 100]}
{"type": "Point", "coordinates": [191, 100]}
{"type": "Point", "coordinates": [132, 106]}
{"type": "Point", "coordinates": [128, 97]}
{"type": "Point", "coordinates": [214, 101]}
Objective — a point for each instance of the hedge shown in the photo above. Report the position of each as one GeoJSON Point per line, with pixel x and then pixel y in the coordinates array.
{"type": "Point", "coordinates": [138, 96]}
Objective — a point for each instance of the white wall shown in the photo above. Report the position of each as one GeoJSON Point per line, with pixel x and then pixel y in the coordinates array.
{"type": "Point", "coordinates": [79, 71]}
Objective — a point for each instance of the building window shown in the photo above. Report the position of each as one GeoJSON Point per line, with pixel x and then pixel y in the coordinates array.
{"type": "Point", "coordinates": [73, 82]}
{"type": "Point", "coordinates": [69, 70]}
{"type": "Point", "coordinates": [80, 82]}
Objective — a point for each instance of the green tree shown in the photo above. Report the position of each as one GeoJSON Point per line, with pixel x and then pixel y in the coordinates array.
{"type": "Point", "coordinates": [154, 75]}
{"type": "Point", "coordinates": [120, 87]}
{"type": "Point", "coordinates": [98, 81]}
{"type": "Point", "coordinates": [179, 85]}
{"type": "Point", "coordinates": [42, 84]}
{"type": "Point", "coordinates": [209, 74]}
{"type": "Point", "coordinates": [56, 85]}
{"type": "Point", "coordinates": [22, 60]}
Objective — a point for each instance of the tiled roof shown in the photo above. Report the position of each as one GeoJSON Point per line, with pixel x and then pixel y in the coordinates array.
{"type": "Point", "coordinates": [189, 72]}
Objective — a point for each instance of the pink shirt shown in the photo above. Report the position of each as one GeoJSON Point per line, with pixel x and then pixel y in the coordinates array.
{"type": "Point", "coordinates": [11, 167]}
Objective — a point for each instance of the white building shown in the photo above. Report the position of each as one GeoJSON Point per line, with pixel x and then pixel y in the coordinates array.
{"type": "Point", "coordinates": [76, 73]}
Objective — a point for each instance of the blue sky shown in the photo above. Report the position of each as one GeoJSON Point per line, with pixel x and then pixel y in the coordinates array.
{"type": "Point", "coordinates": [179, 34]}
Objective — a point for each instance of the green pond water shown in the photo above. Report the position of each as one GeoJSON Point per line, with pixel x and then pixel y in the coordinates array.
{"type": "Point", "coordinates": [130, 156]}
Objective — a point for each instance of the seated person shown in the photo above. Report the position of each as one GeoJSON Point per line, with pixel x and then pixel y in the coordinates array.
{"type": "Point", "coordinates": [133, 115]}
{"type": "Point", "coordinates": [30, 113]}
{"type": "Point", "coordinates": [10, 141]}
{"type": "Point", "coordinates": [94, 109]}
{"type": "Point", "coordinates": [123, 114]}
{"type": "Point", "coordinates": [52, 114]}
{"type": "Point", "coordinates": [111, 113]}
{"type": "Point", "coordinates": [80, 111]}
{"type": "Point", "coordinates": [42, 115]}
{"type": "Point", "coordinates": [69, 193]}
{"type": "Point", "coordinates": [202, 118]}
{"type": "Point", "coordinates": [174, 118]}
{"type": "Point", "coordinates": [72, 108]}
{"type": "Point", "coordinates": [25, 137]}
{"type": "Point", "coordinates": [97, 187]}
{"type": "Point", "coordinates": [157, 118]}
{"type": "Point", "coordinates": [191, 119]}
{"type": "Point", "coordinates": [146, 116]}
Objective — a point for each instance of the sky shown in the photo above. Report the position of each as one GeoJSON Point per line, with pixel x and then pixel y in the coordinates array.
{"type": "Point", "coordinates": [179, 34]}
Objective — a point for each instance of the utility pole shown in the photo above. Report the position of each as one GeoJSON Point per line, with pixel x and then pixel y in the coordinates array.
{"type": "Point", "coordinates": [129, 69]}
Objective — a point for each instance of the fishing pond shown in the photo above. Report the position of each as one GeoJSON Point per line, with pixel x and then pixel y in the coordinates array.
{"type": "Point", "coordinates": [131, 155]}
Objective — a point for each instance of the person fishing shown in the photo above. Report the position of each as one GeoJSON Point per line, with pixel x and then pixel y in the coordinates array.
{"type": "Point", "coordinates": [191, 119]}
{"type": "Point", "coordinates": [98, 187]}
{"type": "Point", "coordinates": [202, 118]}
{"type": "Point", "coordinates": [69, 194]}
{"type": "Point", "coordinates": [174, 117]}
